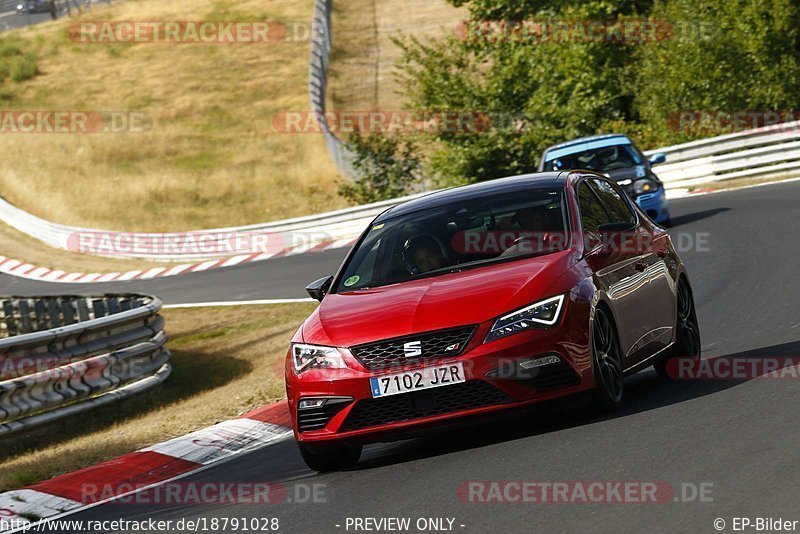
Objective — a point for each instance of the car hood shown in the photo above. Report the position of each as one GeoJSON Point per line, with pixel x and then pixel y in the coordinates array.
{"type": "Point", "coordinates": [469, 297]}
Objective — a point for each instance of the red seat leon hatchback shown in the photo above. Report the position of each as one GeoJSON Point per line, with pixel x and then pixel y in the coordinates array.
{"type": "Point", "coordinates": [482, 299]}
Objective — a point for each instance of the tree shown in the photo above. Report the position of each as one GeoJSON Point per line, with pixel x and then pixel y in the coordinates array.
{"type": "Point", "coordinates": [386, 167]}
{"type": "Point", "coordinates": [725, 56]}
{"type": "Point", "coordinates": [539, 89]}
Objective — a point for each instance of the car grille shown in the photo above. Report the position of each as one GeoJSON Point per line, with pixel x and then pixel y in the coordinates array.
{"type": "Point", "coordinates": [437, 401]}
{"type": "Point", "coordinates": [413, 348]}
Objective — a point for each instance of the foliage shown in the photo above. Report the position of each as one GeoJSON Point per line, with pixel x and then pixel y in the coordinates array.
{"type": "Point", "coordinates": [387, 167]}
{"type": "Point", "coordinates": [540, 89]}
{"type": "Point", "coordinates": [15, 63]}
{"type": "Point", "coordinates": [726, 55]}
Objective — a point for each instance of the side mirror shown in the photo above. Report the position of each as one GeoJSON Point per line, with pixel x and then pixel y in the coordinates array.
{"type": "Point", "coordinates": [657, 158]}
{"type": "Point", "coordinates": [558, 165]}
{"type": "Point", "coordinates": [319, 288]}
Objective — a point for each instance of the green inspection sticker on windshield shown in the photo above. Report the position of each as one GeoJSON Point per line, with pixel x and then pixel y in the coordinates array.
{"type": "Point", "coordinates": [377, 227]}
{"type": "Point", "coordinates": [353, 280]}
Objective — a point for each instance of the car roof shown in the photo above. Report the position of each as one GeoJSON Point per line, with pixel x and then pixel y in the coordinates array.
{"type": "Point", "coordinates": [469, 192]}
{"type": "Point", "coordinates": [584, 143]}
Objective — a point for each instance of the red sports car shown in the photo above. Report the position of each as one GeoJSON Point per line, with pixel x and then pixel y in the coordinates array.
{"type": "Point", "coordinates": [482, 299]}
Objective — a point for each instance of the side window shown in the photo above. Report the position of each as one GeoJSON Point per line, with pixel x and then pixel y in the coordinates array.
{"type": "Point", "coordinates": [592, 212]}
{"type": "Point", "coordinates": [618, 209]}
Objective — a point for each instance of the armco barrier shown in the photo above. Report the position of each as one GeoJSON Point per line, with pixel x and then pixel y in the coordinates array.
{"type": "Point", "coordinates": [758, 153]}
{"type": "Point", "coordinates": [318, 82]}
{"type": "Point", "coordinates": [761, 153]}
{"type": "Point", "coordinates": [60, 356]}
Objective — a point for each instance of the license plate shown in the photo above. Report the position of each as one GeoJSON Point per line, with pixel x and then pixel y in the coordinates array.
{"type": "Point", "coordinates": [429, 377]}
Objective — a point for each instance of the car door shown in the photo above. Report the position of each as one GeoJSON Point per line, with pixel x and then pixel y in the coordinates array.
{"type": "Point", "coordinates": [651, 307]}
{"type": "Point", "coordinates": [613, 270]}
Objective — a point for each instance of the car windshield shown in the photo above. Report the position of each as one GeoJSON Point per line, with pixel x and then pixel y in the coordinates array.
{"type": "Point", "coordinates": [603, 159]}
{"type": "Point", "coordinates": [461, 235]}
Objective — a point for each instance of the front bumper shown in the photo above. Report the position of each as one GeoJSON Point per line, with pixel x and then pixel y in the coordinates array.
{"type": "Point", "coordinates": [494, 382]}
{"type": "Point", "coordinates": [655, 205]}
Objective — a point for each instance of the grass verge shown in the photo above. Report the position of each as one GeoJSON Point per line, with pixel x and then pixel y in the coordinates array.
{"type": "Point", "coordinates": [211, 156]}
{"type": "Point", "coordinates": [745, 182]}
{"type": "Point", "coordinates": [226, 362]}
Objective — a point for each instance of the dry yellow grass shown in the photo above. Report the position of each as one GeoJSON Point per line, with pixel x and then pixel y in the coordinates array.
{"type": "Point", "coordinates": [363, 52]}
{"type": "Point", "coordinates": [212, 157]}
{"type": "Point", "coordinates": [225, 364]}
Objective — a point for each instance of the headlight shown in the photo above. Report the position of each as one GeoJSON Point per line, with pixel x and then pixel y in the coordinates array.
{"type": "Point", "coordinates": [640, 187]}
{"type": "Point", "coordinates": [542, 314]}
{"type": "Point", "coordinates": [311, 356]}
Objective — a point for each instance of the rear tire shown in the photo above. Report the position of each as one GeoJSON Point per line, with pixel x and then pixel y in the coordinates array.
{"type": "Point", "coordinates": [609, 380]}
{"type": "Point", "coordinates": [687, 335]}
{"type": "Point", "coordinates": [327, 458]}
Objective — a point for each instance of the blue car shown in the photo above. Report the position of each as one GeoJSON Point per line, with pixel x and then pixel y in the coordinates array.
{"type": "Point", "coordinates": [618, 158]}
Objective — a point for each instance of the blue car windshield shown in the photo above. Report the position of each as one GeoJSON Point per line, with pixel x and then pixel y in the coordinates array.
{"type": "Point", "coordinates": [603, 159]}
{"type": "Point", "coordinates": [468, 233]}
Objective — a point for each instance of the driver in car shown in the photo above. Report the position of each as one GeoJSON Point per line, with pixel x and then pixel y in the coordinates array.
{"type": "Point", "coordinates": [422, 254]}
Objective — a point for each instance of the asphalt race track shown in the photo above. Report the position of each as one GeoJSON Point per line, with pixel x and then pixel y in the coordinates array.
{"type": "Point", "coordinates": [12, 20]}
{"type": "Point", "coordinates": [739, 436]}
{"type": "Point", "coordinates": [276, 278]}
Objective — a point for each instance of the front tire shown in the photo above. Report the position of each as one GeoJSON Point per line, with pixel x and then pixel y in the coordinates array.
{"type": "Point", "coordinates": [687, 336]}
{"type": "Point", "coordinates": [327, 458]}
{"type": "Point", "coordinates": [609, 380]}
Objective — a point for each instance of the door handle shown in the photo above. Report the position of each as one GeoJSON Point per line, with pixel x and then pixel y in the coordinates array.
{"type": "Point", "coordinates": [640, 266]}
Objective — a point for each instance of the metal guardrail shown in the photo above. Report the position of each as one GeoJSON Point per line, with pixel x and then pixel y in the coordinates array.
{"type": "Point", "coordinates": [319, 58]}
{"type": "Point", "coordinates": [60, 356]}
{"type": "Point", "coordinates": [758, 153]}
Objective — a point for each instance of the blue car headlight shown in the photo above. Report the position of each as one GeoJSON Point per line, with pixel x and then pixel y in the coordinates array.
{"type": "Point", "coordinates": [642, 187]}
{"type": "Point", "coordinates": [542, 314]}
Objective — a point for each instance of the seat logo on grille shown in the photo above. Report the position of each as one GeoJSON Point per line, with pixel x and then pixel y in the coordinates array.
{"type": "Point", "coordinates": [412, 349]}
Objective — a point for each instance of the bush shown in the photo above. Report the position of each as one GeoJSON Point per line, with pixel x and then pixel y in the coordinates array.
{"type": "Point", "coordinates": [387, 167]}
{"type": "Point", "coordinates": [23, 68]}
{"type": "Point", "coordinates": [543, 92]}
{"type": "Point", "coordinates": [724, 55]}
{"type": "Point", "coordinates": [9, 48]}
{"type": "Point", "coordinates": [14, 62]}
